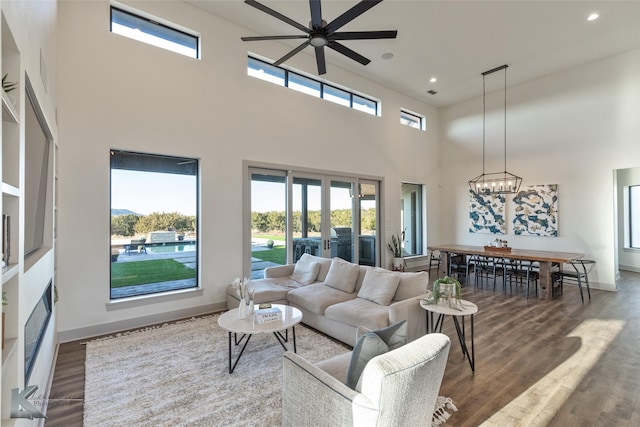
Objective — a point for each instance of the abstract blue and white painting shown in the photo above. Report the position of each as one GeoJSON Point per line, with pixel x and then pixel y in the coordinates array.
{"type": "Point", "coordinates": [536, 211]}
{"type": "Point", "coordinates": [486, 213]}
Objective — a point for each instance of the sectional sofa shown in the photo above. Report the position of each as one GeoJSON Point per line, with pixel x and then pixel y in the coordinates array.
{"type": "Point", "coordinates": [336, 296]}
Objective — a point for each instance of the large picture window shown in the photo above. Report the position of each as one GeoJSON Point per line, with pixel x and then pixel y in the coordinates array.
{"type": "Point", "coordinates": [634, 216]}
{"type": "Point", "coordinates": [154, 224]}
{"type": "Point", "coordinates": [411, 215]}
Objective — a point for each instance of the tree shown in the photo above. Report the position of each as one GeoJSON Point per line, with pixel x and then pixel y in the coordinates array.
{"type": "Point", "coordinates": [124, 225]}
{"type": "Point", "coordinates": [157, 221]}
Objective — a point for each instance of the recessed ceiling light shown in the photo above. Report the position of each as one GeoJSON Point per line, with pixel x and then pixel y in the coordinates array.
{"type": "Point", "coordinates": [387, 55]}
{"type": "Point", "coordinates": [433, 80]}
{"type": "Point", "coordinates": [593, 17]}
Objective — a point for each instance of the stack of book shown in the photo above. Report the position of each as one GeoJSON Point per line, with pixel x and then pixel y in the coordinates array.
{"type": "Point", "coordinates": [265, 315]}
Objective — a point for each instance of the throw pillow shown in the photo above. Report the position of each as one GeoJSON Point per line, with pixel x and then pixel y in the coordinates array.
{"type": "Point", "coordinates": [372, 344]}
{"type": "Point", "coordinates": [379, 286]}
{"type": "Point", "coordinates": [305, 271]}
{"type": "Point", "coordinates": [342, 275]}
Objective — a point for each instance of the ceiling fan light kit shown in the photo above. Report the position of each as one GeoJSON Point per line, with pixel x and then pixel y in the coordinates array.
{"type": "Point", "coordinates": [319, 33]}
{"type": "Point", "coordinates": [496, 182]}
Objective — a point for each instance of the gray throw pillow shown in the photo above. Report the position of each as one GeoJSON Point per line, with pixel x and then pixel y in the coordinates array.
{"type": "Point", "coordinates": [342, 275]}
{"type": "Point", "coordinates": [372, 344]}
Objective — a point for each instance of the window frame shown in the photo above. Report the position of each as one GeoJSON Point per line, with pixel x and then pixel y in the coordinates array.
{"type": "Point", "coordinates": [415, 230]}
{"type": "Point", "coordinates": [188, 166]}
{"type": "Point", "coordinates": [164, 26]}
{"type": "Point", "coordinates": [420, 119]}
{"type": "Point", "coordinates": [323, 85]}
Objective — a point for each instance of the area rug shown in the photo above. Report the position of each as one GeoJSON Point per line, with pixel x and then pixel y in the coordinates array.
{"type": "Point", "coordinates": [178, 375]}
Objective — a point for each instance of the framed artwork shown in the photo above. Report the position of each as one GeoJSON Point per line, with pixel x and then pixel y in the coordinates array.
{"type": "Point", "coordinates": [486, 213]}
{"type": "Point", "coordinates": [536, 211]}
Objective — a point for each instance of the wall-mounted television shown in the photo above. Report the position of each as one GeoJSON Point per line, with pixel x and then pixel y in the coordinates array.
{"type": "Point", "coordinates": [37, 145]}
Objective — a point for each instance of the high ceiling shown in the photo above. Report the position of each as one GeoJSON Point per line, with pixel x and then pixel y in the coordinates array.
{"type": "Point", "coordinates": [454, 41]}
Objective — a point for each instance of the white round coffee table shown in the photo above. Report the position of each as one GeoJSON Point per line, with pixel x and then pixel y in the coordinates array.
{"type": "Point", "coordinates": [466, 308]}
{"type": "Point", "coordinates": [230, 322]}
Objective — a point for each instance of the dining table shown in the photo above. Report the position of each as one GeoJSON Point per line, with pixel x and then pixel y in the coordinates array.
{"type": "Point", "coordinates": [549, 261]}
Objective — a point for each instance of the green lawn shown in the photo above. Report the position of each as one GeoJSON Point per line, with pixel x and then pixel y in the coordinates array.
{"type": "Point", "coordinates": [152, 271]}
{"type": "Point", "coordinates": [269, 236]}
{"type": "Point", "coordinates": [278, 255]}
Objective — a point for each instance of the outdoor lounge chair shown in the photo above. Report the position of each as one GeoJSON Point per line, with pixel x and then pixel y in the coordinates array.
{"type": "Point", "coordinates": [137, 246]}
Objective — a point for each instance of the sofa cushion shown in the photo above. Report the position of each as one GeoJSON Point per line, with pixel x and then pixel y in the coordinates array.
{"type": "Point", "coordinates": [411, 285]}
{"type": "Point", "coordinates": [306, 270]}
{"type": "Point", "coordinates": [317, 297]}
{"type": "Point", "coordinates": [379, 286]}
{"type": "Point", "coordinates": [267, 290]}
{"type": "Point", "coordinates": [372, 344]}
{"type": "Point", "coordinates": [342, 275]}
{"type": "Point", "coordinates": [357, 312]}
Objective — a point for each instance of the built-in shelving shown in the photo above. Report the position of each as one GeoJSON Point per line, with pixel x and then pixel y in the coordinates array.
{"type": "Point", "coordinates": [11, 207]}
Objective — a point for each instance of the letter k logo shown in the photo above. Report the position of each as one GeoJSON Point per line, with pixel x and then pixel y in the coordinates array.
{"type": "Point", "coordinates": [19, 399]}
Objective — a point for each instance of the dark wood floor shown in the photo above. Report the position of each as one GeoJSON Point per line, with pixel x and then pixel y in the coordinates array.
{"type": "Point", "coordinates": [567, 363]}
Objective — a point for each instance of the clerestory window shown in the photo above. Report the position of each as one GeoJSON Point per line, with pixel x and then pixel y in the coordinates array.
{"type": "Point", "coordinates": [319, 89]}
{"type": "Point", "coordinates": [150, 30]}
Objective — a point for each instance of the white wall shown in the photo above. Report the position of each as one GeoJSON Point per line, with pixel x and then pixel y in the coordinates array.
{"type": "Point", "coordinates": [573, 129]}
{"type": "Point", "coordinates": [628, 259]}
{"type": "Point", "coordinates": [119, 93]}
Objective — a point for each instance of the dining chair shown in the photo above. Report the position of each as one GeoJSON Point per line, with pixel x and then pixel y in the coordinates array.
{"type": "Point", "coordinates": [458, 267]}
{"type": "Point", "coordinates": [435, 258]}
{"type": "Point", "coordinates": [487, 268]}
{"type": "Point", "coordinates": [578, 275]}
{"type": "Point", "coordinates": [522, 273]}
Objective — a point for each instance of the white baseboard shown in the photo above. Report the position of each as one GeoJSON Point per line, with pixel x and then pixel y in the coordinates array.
{"type": "Point", "coordinates": [629, 268]}
{"type": "Point", "coordinates": [139, 322]}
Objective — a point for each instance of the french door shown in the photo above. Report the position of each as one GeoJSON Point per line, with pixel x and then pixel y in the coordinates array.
{"type": "Point", "coordinates": [320, 214]}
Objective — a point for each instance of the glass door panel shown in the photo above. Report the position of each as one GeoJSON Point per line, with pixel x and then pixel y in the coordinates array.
{"type": "Point", "coordinates": [306, 216]}
{"type": "Point", "coordinates": [342, 219]}
{"type": "Point", "coordinates": [268, 220]}
{"type": "Point", "coordinates": [368, 209]}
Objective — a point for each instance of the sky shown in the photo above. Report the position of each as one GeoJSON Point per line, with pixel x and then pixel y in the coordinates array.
{"type": "Point", "coordinates": [270, 196]}
{"type": "Point", "coordinates": [148, 192]}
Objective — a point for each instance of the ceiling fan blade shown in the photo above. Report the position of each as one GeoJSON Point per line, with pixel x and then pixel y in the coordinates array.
{"type": "Point", "coordinates": [277, 15]}
{"type": "Point", "coordinates": [364, 35]}
{"type": "Point", "coordinates": [293, 52]}
{"type": "Point", "coordinates": [316, 14]}
{"type": "Point", "coordinates": [322, 65]}
{"type": "Point", "coordinates": [349, 15]}
{"type": "Point", "coordinates": [348, 52]}
{"type": "Point", "coordinates": [258, 38]}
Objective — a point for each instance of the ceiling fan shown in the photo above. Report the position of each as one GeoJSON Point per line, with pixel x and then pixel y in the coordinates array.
{"type": "Point", "coordinates": [320, 34]}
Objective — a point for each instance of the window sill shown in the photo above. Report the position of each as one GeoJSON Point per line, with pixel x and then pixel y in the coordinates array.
{"type": "Point", "coordinates": [124, 303]}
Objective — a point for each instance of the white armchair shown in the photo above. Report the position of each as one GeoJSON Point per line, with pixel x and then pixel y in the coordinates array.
{"type": "Point", "coordinates": [399, 388]}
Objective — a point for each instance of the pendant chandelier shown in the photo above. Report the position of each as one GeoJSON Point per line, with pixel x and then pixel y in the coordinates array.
{"type": "Point", "coordinates": [496, 182]}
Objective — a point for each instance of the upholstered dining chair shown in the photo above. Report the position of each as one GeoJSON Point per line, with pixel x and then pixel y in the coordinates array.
{"type": "Point", "coordinates": [398, 388]}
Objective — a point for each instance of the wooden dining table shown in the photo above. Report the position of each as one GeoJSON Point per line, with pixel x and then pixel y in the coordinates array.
{"type": "Point", "coordinates": [546, 260]}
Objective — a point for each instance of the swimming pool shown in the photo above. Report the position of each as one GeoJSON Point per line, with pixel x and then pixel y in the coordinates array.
{"type": "Point", "coordinates": [169, 248]}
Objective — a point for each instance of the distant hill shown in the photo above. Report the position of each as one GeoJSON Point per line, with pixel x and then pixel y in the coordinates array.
{"type": "Point", "coordinates": [118, 212]}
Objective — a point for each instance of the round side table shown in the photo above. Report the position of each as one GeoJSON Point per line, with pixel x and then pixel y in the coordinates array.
{"type": "Point", "coordinates": [466, 308]}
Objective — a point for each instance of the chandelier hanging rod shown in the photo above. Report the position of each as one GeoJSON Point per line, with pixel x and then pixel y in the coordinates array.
{"type": "Point", "coordinates": [497, 182]}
